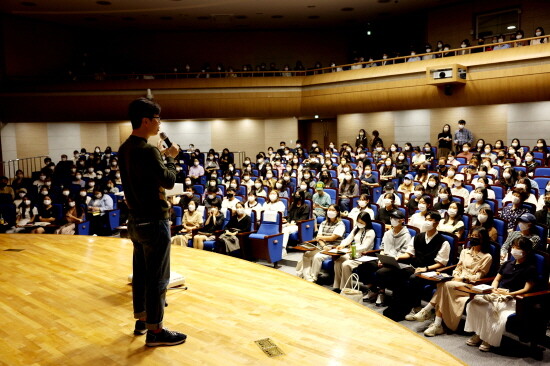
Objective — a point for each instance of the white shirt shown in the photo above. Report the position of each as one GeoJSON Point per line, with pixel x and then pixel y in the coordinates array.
{"type": "Point", "coordinates": [226, 203]}
{"type": "Point", "coordinates": [277, 206]}
{"type": "Point", "coordinates": [367, 242]}
{"type": "Point", "coordinates": [442, 256]}
{"type": "Point", "coordinates": [417, 220]}
{"type": "Point", "coordinates": [354, 213]}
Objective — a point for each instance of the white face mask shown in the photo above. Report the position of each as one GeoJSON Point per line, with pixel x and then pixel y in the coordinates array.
{"type": "Point", "coordinates": [66, 193]}
{"type": "Point", "coordinates": [211, 196]}
{"type": "Point", "coordinates": [393, 148]}
{"type": "Point", "coordinates": [361, 226]}
{"type": "Point", "coordinates": [458, 183]}
{"type": "Point", "coordinates": [506, 175]}
{"type": "Point", "coordinates": [191, 208]}
{"type": "Point", "coordinates": [82, 194]}
{"type": "Point", "coordinates": [307, 176]}
{"type": "Point", "coordinates": [480, 185]}
{"type": "Point", "coordinates": [269, 176]}
{"type": "Point", "coordinates": [278, 185]}
{"type": "Point", "coordinates": [422, 207]}
{"type": "Point", "coordinates": [443, 196]}
{"type": "Point", "coordinates": [482, 218]}
{"type": "Point", "coordinates": [394, 222]}
{"type": "Point", "coordinates": [286, 179]}
{"type": "Point", "coordinates": [362, 203]}
{"type": "Point", "coordinates": [478, 196]}
{"type": "Point", "coordinates": [378, 149]}
{"type": "Point", "coordinates": [427, 226]}
{"type": "Point", "coordinates": [529, 158]}
{"type": "Point", "coordinates": [450, 173]}
{"type": "Point", "coordinates": [233, 185]}
{"type": "Point", "coordinates": [387, 201]}
{"type": "Point", "coordinates": [452, 212]}
{"type": "Point", "coordinates": [240, 211]}
{"type": "Point", "coordinates": [28, 203]}
{"type": "Point", "coordinates": [431, 184]}
{"type": "Point", "coordinates": [482, 173]}
{"type": "Point", "coordinates": [258, 185]}
{"type": "Point", "coordinates": [273, 197]}
{"type": "Point", "coordinates": [72, 204]}
{"type": "Point", "coordinates": [517, 253]}
{"type": "Point", "coordinates": [331, 214]}
{"type": "Point", "coordinates": [303, 187]}
{"type": "Point", "coordinates": [401, 158]}
{"type": "Point", "coordinates": [520, 186]}
{"type": "Point", "coordinates": [515, 200]}
{"type": "Point", "coordinates": [251, 198]}
{"type": "Point", "coordinates": [538, 34]}
{"type": "Point", "coordinates": [47, 202]}
{"type": "Point", "coordinates": [523, 226]}
{"type": "Point", "coordinates": [465, 149]}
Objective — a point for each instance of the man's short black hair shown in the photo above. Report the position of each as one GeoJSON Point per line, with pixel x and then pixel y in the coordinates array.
{"type": "Point", "coordinates": [142, 108]}
{"type": "Point", "coordinates": [434, 215]}
{"type": "Point", "coordinates": [462, 122]}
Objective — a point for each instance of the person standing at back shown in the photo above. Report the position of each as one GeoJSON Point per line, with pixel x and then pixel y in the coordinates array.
{"type": "Point", "coordinates": [462, 136]}
{"type": "Point", "coordinates": [145, 177]}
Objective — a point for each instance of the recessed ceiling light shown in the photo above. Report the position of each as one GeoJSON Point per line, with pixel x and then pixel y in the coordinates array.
{"type": "Point", "coordinates": [313, 17]}
{"type": "Point", "coordinates": [28, 3]}
{"type": "Point", "coordinates": [511, 27]}
{"type": "Point", "coordinates": [166, 18]}
{"type": "Point", "coordinates": [276, 16]}
{"type": "Point", "coordinates": [347, 9]}
{"type": "Point", "coordinates": [103, 2]}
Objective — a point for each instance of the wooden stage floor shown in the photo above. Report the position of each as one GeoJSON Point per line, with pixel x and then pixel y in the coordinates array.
{"type": "Point", "coordinates": [65, 300]}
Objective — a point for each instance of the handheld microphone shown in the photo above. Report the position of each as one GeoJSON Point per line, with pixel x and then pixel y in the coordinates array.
{"type": "Point", "coordinates": [166, 139]}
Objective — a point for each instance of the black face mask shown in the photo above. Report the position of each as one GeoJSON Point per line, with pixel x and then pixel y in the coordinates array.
{"type": "Point", "coordinates": [475, 242]}
{"type": "Point", "coordinates": [2, 184]}
{"type": "Point", "coordinates": [230, 195]}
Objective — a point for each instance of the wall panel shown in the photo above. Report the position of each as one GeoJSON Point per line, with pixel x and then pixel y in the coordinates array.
{"type": "Point", "coordinates": [31, 139]}
{"type": "Point", "coordinates": [63, 138]}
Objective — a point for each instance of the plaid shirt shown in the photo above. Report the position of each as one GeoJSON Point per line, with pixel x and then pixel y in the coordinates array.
{"type": "Point", "coordinates": [463, 136]}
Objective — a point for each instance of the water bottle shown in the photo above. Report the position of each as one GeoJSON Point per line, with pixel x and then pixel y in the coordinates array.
{"type": "Point", "coordinates": [353, 251]}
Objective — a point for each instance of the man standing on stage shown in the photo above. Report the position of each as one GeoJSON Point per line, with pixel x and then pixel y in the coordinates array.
{"type": "Point", "coordinates": [144, 178]}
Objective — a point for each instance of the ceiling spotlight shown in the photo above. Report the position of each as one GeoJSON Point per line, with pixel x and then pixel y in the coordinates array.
{"type": "Point", "coordinates": [369, 33]}
{"type": "Point", "coordinates": [511, 27]}
{"type": "Point", "coordinates": [316, 116]}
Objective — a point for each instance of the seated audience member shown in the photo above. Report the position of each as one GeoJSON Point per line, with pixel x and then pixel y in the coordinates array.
{"type": "Point", "coordinates": [330, 234]}
{"type": "Point", "coordinates": [368, 180]}
{"type": "Point", "coordinates": [362, 236]}
{"type": "Point", "coordinates": [422, 175]}
{"type": "Point", "coordinates": [487, 315]}
{"type": "Point", "coordinates": [451, 159]}
{"type": "Point", "coordinates": [238, 223]}
{"type": "Point", "coordinates": [258, 189]}
{"type": "Point", "coordinates": [541, 203]}
{"type": "Point", "coordinates": [527, 229]}
{"type": "Point", "coordinates": [247, 182]}
{"type": "Point", "coordinates": [452, 220]}
{"type": "Point", "coordinates": [274, 203]}
{"type": "Point", "coordinates": [509, 179]}
{"type": "Point", "coordinates": [426, 252]}
{"type": "Point", "coordinates": [348, 190]}
{"type": "Point", "coordinates": [443, 200]}
{"type": "Point", "coordinates": [74, 214]}
{"type": "Point", "coordinates": [386, 208]}
{"type": "Point", "coordinates": [539, 32]}
{"type": "Point", "coordinates": [20, 181]}
{"type": "Point", "coordinates": [191, 220]}
{"type": "Point", "coordinates": [432, 186]}
{"type": "Point", "coordinates": [543, 214]}
{"type": "Point", "coordinates": [524, 184]}
{"type": "Point", "coordinates": [418, 158]}
{"type": "Point", "coordinates": [389, 188]}
{"type": "Point", "coordinates": [448, 302]}
{"type": "Point", "coordinates": [252, 204]}
{"type": "Point", "coordinates": [280, 189]}
{"type": "Point", "coordinates": [480, 196]}
{"type": "Point", "coordinates": [45, 214]}
{"type": "Point", "coordinates": [407, 187]}
{"type": "Point", "coordinates": [387, 171]}
{"type": "Point", "coordinates": [230, 200]}
{"type": "Point", "coordinates": [269, 181]}
{"type": "Point", "coordinates": [214, 222]}
{"type": "Point", "coordinates": [541, 147]}
{"type": "Point", "coordinates": [394, 244]}
{"type": "Point", "coordinates": [26, 213]}
{"type": "Point", "coordinates": [481, 183]}
{"type": "Point", "coordinates": [513, 212]}
{"type": "Point", "coordinates": [362, 206]}
{"type": "Point", "coordinates": [321, 201]}
{"type": "Point", "coordinates": [187, 197]}
{"type": "Point", "coordinates": [99, 204]}
{"type": "Point", "coordinates": [530, 163]}
{"type": "Point", "coordinates": [486, 219]}
{"type": "Point", "coordinates": [5, 189]}
{"type": "Point", "coordinates": [19, 196]}
{"type": "Point", "coordinates": [418, 193]}
{"type": "Point", "coordinates": [466, 154]}
{"type": "Point", "coordinates": [459, 190]}
{"type": "Point", "coordinates": [424, 207]}
{"type": "Point", "coordinates": [298, 211]}
{"type": "Point", "coordinates": [500, 45]}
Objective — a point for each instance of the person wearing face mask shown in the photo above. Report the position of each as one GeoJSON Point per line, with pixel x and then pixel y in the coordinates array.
{"type": "Point", "coordinates": [211, 197]}
{"type": "Point", "coordinates": [524, 184]}
{"type": "Point", "coordinates": [443, 200]}
{"type": "Point", "coordinates": [452, 220]}
{"type": "Point", "coordinates": [543, 211]}
{"type": "Point", "coordinates": [513, 212]}
{"type": "Point", "coordinates": [419, 218]}
{"type": "Point", "coordinates": [230, 200]}
{"type": "Point", "coordinates": [19, 195]}
{"type": "Point", "coordinates": [487, 315]}
{"type": "Point", "coordinates": [530, 163]}
{"type": "Point", "coordinates": [374, 274]}
{"type": "Point", "coordinates": [258, 188]}
{"type": "Point", "coordinates": [389, 188]}
{"type": "Point", "coordinates": [196, 171]}
{"type": "Point", "coordinates": [214, 222]}
{"type": "Point", "coordinates": [280, 188]}
{"type": "Point", "coordinates": [304, 188]}
{"type": "Point", "coordinates": [466, 153]}
{"type": "Point", "coordinates": [25, 214]}
{"type": "Point", "coordinates": [432, 185]}
{"type": "Point", "coordinates": [247, 182]}
{"type": "Point", "coordinates": [46, 215]}
{"type": "Point", "coordinates": [387, 206]}
{"type": "Point", "coordinates": [449, 176]}
{"type": "Point", "coordinates": [541, 147]}
{"type": "Point", "coordinates": [479, 196]}
{"type": "Point", "coordinates": [526, 225]}
{"type": "Point", "coordinates": [361, 139]}
{"type": "Point", "coordinates": [414, 198]}
{"type": "Point", "coordinates": [462, 136]}
{"type": "Point", "coordinates": [74, 214]}
{"type": "Point", "coordinates": [98, 205]}
{"type": "Point", "coordinates": [444, 141]}
{"type": "Point", "coordinates": [348, 189]}
{"type": "Point", "coordinates": [252, 204]}
{"type": "Point", "coordinates": [481, 183]}
{"type": "Point", "coordinates": [298, 211]}
{"type": "Point", "coordinates": [368, 180]}
{"type": "Point", "coordinates": [19, 181]}
{"type": "Point", "coordinates": [362, 235]}
{"type": "Point", "coordinates": [413, 57]}
{"type": "Point", "coordinates": [425, 252]}
{"type": "Point", "coordinates": [388, 171]}
{"type": "Point", "coordinates": [321, 201]}
{"type": "Point", "coordinates": [326, 178]}
{"type": "Point", "coordinates": [402, 166]}
{"type": "Point", "coordinates": [274, 203]}
{"type": "Point", "coordinates": [451, 159]}
{"type": "Point", "coordinates": [539, 32]}
{"type": "Point", "coordinates": [5, 189]}
{"type": "Point", "coordinates": [330, 234]}
{"type": "Point", "coordinates": [509, 179]}
{"type": "Point", "coordinates": [211, 166]}
{"type": "Point", "coordinates": [376, 140]}
{"type": "Point", "coordinates": [407, 187]}
{"type": "Point", "coordinates": [188, 197]}
{"type": "Point", "coordinates": [500, 43]}
{"type": "Point", "coordinates": [269, 180]}
{"type": "Point", "coordinates": [448, 301]}
{"type": "Point", "coordinates": [109, 187]}
{"type": "Point", "coordinates": [362, 206]}
{"type": "Point", "coordinates": [239, 222]}
{"type": "Point", "coordinates": [463, 45]}
{"type": "Point", "coordinates": [40, 181]}
{"type": "Point", "coordinates": [418, 158]}
{"type": "Point", "coordinates": [428, 49]}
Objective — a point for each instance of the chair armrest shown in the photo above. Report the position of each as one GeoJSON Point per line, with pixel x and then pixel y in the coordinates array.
{"type": "Point", "coordinates": [483, 280]}
{"type": "Point", "coordinates": [445, 269]}
{"type": "Point", "coordinates": [374, 251]}
{"type": "Point", "coordinates": [533, 294]}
